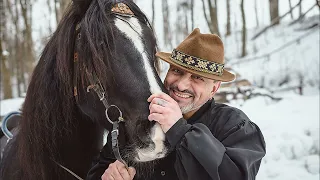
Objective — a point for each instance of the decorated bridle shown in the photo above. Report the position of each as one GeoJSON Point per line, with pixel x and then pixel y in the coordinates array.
{"type": "Point", "coordinates": [95, 84]}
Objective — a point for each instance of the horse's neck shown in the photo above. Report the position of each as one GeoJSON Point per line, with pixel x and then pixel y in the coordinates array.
{"type": "Point", "coordinates": [79, 149]}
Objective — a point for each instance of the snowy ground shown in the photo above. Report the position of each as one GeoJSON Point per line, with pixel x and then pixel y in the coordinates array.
{"type": "Point", "coordinates": [291, 131]}
{"type": "Point", "coordinates": [290, 128]}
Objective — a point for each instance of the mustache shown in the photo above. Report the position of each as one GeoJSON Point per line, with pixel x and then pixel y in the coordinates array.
{"type": "Point", "coordinates": [175, 88]}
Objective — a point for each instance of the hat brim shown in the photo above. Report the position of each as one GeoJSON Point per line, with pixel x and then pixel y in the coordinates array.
{"type": "Point", "coordinates": [225, 77]}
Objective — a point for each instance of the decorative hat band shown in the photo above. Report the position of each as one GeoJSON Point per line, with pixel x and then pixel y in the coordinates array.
{"type": "Point", "coordinates": [196, 63]}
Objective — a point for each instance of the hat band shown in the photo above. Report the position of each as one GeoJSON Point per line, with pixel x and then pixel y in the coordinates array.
{"type": "Point", "coordinates": [196, 63]}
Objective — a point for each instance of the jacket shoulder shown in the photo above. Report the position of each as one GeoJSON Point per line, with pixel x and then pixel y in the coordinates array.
{"type": "Point", "coordinates": [224, 118]}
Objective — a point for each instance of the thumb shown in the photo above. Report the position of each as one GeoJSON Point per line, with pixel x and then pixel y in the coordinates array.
{"type": "Point", "coordinates": [132, 172]}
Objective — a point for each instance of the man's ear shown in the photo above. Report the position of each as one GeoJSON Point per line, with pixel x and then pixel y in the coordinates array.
{"type": "Point", "coordinates": [216, 86]}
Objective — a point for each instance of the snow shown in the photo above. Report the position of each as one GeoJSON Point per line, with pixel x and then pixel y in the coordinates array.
{"type": "Point", "coordinates": [5, 53]}
{"type": "Point", "coordinates": [9, 105]}
{"type": "Point", "coordinates": [291, 125]}
{"type": "Point", "coordinates": [291, 132]}
{"type": "Point", "coordinates": [290, 128]}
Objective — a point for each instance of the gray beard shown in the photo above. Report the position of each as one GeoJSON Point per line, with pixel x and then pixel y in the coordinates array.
{"type": "Point", "coordinates": [189, 107]}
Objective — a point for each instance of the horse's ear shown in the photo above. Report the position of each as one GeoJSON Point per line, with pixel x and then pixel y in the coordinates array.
{"type": "Point", "coordinates": [81, 6]}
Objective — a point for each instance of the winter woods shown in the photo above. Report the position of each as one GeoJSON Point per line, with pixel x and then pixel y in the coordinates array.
{"type": "Point", "coordinates": [27, 24]}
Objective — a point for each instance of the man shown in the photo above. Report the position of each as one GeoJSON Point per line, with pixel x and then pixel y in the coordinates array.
{"type": "Point", "coordinates": [208, 140]}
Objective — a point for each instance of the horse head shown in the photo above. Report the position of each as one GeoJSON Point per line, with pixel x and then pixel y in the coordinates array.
{"type": "Point", "coordinates": [120, 60]}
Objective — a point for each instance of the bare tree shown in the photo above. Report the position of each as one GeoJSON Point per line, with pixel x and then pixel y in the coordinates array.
{"type": "Point", "coordinates": [256, 12]}
{"type": "Point", "coordinates": [63, 6]}
{"type": "Point", "coordinates": [182, 21]}
{"type": "Point", "coordinates": [26, 12]}
{"type": "Point", "coordinates": [212, 20]}
{"type": "Point", "coordinates": [60, 6]}
{"type": "Point", "coordinates": [166, 24]}
{"type": "Point", "coordinates": [5, 69]}
{"type": "Point", "coordinates": [300, 8]}
{"type": "Point", "coordinates": [56, 10]}
{"type": "Point", "coordinates": [290, 6]}
{"type": "Point", "coordinates": [274, 11]}
{"type": "Point", "coordinates": [228, 28]}
{"type": "Point", "coordinates": [192, 13]}
{"type": "Point", "coordinates": [16, 46]}
{"type": "Point", "coordinates": [244, 30]}
{"type": "Point", "coordinates": [153, 13]}
{"type": "Point", "coordinates": [5, 74]}
{"type": "Point", "coordinates": [50, 12]}
{"type": "Point", "coordinates": [274, 21]}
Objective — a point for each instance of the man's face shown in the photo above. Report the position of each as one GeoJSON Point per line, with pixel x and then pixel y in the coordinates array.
{"type": "Point", "coordinates": [189, 90]}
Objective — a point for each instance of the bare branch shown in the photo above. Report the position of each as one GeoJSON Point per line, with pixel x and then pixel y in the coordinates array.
{"type": "Point", "coordinates": [205, 16]}
{"type": "Point", "coordinates": [273, 22]}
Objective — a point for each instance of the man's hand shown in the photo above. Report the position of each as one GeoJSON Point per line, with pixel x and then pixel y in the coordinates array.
{"type": "Point", "coordinates": [117, 171]}
{"type": "Point", "coordinates": [164, 110]}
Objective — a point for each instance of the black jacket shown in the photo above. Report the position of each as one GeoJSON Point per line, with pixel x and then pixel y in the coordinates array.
{"type": "Point", "coordinates": [218, 142]}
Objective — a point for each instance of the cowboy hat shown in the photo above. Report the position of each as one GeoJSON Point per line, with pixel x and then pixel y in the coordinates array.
{"type": "Point", "coordinates": [200, 54]}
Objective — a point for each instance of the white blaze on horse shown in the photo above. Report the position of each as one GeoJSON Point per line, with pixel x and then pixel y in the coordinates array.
{"type": "Point", "coordinates": [98, 67]}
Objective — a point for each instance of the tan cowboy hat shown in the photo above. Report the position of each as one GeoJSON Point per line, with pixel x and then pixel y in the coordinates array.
{"type": "Point", "coordinates": [201, 54]}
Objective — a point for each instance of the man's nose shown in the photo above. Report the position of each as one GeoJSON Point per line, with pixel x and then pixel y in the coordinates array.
{"type": "Point", "coordinates": [183, 83]}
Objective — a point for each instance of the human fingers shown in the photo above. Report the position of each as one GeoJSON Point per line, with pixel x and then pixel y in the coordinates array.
{"type": "Point", "coordinates": [156, 117]}
{"type": "Point", "coordinates": [159, 102]}
{"type": "Point", "coordinates": [107, 175]}
{"type": "Point", "coordinates": [155, 108]}
{"type": "Point", "coordinates": [132, 172]}
{"type": "Point", "coordinates": [122, 170]}
{"type": "Point", "coordinates": [163, 96]}
{"type": "Point", "coordinates": [115, 171]}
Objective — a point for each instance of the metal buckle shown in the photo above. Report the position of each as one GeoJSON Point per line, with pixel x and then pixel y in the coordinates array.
{"type": "Point", "coordinates": [120, 118]}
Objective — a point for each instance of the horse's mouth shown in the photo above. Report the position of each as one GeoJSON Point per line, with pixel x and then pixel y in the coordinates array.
{"type": "Point", "coordinates": [144, 155]}
{"type": "Point", "coordinates": [156, 149]}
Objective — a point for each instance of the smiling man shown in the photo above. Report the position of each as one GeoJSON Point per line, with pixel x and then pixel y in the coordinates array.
{"type": "Point", "coordinates": [208, 140]}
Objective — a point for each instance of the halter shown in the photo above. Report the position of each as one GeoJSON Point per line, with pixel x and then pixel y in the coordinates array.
{"type": "Point", "coordinates": [122, 10]}
{"type": "Point", "coordinates": [98, 88]}
{"type": "Point", "coordinates": [96, 85]}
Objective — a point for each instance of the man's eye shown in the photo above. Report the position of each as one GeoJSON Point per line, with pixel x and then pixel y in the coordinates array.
{"type": "Point", "coordinates": [176, 70]}
{"type": "Point", "coordinates": [198, 78]}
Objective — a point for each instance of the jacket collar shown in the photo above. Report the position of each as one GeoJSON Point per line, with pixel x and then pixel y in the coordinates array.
{"type": "Point", "coordinates": [201, 111]}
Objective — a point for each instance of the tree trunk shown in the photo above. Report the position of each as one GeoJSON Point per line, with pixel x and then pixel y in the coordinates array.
{"type": "Point", "coordinates": [256, 12]}
{"type": "Point", "coordinates": [274, 11]}
{"type": "Point", "coordinates": [26, 10]}
{"type": "Point", "coordinates": [290, 6]}
{"type": "Point", "coordinates": [244, 30]}
{"type": "Point", "coordinates": [56, 10]}
{"type": "Point", "coordinates": [228, 28]}
{"type": "Point", "coordinates": [50, 12]}
{"type": "Point", "coordinates": [206, 17]}
{"type": "Point", "coordinates": [63, 6]}
{"type": "Point", "coordinates": [6, 76]}
{"type": "Point", "coordinates": [166, 24]}
{"type": "Point", "coordinates": [213, 15]}
{"type": "Point", "coordinates": [153, 13]}
{"type": "Point", "coordinates": [213, 20]}
{"type": "Point", "coordinates": [300, 8]}
{"type": "Point", "coordinates": [16, 54]}
{"type": "Point", "coordinates": [5, 70]}
{"type": "Point", "coordinates": [192, 14]}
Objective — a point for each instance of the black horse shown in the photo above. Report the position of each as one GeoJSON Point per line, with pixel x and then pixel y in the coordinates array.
{"type": "Point", "coordinates": [102, 41]}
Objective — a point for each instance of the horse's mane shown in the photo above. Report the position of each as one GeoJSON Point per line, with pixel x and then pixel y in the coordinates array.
{"type": "Point", "coordinates": [50, 113]}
